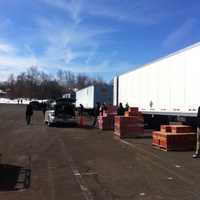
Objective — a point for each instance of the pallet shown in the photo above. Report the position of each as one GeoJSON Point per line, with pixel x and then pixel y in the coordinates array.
{"type": "Point", "coordinates": [129, 135]}
{"type": "Point", "coordinates": [171, 148]}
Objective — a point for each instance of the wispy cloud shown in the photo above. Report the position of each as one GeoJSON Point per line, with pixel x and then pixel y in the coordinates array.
{"type": "Point", "coordinates": [180, 34]}
{"type": "Point", "coordinates": [138, 12]}
{"type": "Point", "coordinates": [64, 46]}
{"type": "Point", "coordinates": [69, 43]}
{"type": "Point", "coordinates": [72, 7]}
{"type": "Point", "coordinates": [11, 62]}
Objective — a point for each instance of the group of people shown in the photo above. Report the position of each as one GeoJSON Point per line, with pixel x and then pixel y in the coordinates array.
{"type": "Point", "coordinates": [100, 108]}
{"type": "Point", "coordinates": [121, 109]}
{"type": "Point", "coordinates": [20, 101]}
{"type": "Point", "coordinates": [30, 109]}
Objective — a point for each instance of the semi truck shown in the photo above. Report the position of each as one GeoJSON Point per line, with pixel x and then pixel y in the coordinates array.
{"type": "Point", "coordinates": [166, 89]}
{"type": "Point", "coordinates": [90, 95]}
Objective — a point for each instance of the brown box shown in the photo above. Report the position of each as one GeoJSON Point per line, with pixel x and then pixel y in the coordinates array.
{"type": "Point", "coordinates": [174, 141]}
{"type": "Point", "coordinates": [176, 128]}
{"type": "Point", "coordinates": [181, 129]}
{"type": "Point", "coordinates": [105, 123]}
{"type": "Point", "coordinates": [165, 128]}
{"type": "Point", "coordinates": [122, 120]}
{"type": "Point", "coordinates": [128, 127]}
{"type": "Point", "coordinates": [133, 109]}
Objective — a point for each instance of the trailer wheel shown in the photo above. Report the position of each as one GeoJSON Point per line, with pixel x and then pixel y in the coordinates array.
{"type": "Point", "coordinates": [49, 124]}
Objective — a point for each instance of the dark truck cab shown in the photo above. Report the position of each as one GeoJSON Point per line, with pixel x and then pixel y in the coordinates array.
{"type": "Point", "coordinates": [60, 111]}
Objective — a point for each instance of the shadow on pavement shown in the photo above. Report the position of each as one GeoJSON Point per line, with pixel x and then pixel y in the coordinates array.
{"type": "Point", "coordinates": [65, 125]}
{"type": "Point", "coordinates": [14, 177]}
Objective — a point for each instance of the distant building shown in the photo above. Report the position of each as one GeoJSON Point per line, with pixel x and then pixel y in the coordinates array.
{"type": "Point", "coordinates": [2, 93]}
{"type": "Point", "coordinates": [69, 94]}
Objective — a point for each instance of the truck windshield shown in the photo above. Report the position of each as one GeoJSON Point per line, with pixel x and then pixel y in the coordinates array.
{"type": "Point", "coordinates": [64, 109]}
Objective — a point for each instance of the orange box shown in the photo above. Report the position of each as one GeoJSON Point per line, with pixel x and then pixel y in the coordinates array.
{"type": "Point", "coordinates": [181, 129]}
{"type": "Point", "coordinates": [123, 121]}
{"type": "Point", "coordinates": [174, 141]}
{"type": "Point", "coordinates": [165, 128]}
{"type": "Point", "coordinates": [176, 128]}
{"type": "Point", "coordinates": [129, 114]}
{"type": "Point", "coordinates": [133, 109]}
{"type": "Point", "coordinates": [128, 127]}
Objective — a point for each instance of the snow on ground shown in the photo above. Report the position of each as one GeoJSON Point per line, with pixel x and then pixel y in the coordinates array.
{"type": "Point", "coordinates": [16, 101]}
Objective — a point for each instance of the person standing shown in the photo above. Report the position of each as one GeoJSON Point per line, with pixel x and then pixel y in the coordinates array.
{"type": "Point", "coordinates": [197, 152]}
{"type": "Point", "coordinates": [96, 113]}
{"type": "Point", "coordinates": [81, 110]}
{"type": "Point", "coordinates": [29, 113]}
{"type": "Point", "coordinates": [102, 109]}
{"type": "Point", "coordinates": [126, 107]}
{"type": "Point", "coordinates": [43, 107]}
{"type": "Point", "coordinates": [120, 109]}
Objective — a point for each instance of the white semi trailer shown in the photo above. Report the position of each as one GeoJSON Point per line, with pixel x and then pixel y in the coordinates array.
{"type": "Point", "coordinates": [90, 95]}
{"type": "Point", "coordinates": [166, 87]}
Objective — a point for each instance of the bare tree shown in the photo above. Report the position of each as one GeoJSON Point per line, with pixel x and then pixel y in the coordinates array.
{"type": "Point", "coordinates": [37, 84]}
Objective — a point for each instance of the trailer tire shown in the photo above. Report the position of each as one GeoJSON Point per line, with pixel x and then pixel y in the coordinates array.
{"type": "Point", "coordinates": [49, 124]}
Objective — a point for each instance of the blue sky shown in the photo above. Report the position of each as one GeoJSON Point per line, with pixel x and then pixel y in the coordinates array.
{"type": "Point", "coordinates": [96, 37]}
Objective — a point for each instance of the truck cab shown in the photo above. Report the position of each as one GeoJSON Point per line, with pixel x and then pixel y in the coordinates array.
{"type": "Point", "coordinates": [60, 111]}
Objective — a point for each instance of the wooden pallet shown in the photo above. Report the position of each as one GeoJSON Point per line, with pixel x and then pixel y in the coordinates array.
{"type": "Point", "coordinates": [172, 148]}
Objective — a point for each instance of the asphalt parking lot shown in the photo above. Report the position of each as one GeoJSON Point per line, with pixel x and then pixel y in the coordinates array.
{"type": "Point", "coordinates": [59, 163]}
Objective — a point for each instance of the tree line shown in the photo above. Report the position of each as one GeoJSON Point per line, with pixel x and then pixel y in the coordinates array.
{"type": "Point", "coordinates": [34, 83]}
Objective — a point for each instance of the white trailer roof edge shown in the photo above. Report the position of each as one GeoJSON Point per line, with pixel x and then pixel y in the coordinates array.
{"type": "Point", "coordinates": [161, 58]}
{"type": "Point", "coordinates": [85, 88]}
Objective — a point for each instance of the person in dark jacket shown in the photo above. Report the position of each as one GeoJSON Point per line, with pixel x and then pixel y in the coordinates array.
{"type": "Point", "coordinates": [120, 109]}
{"type": "Point", "coordinates": [197, 152]}
{"type": "Point", "coordinates": [81, 110]}
{"type": "Point", "coordinates": [44, 107]}
{"type": "Point", "coordinates": [127, 107]}
{"type": "Point", "coordinates": [29, 113]}
{"type": "Point", "coordinates": [96, 113]}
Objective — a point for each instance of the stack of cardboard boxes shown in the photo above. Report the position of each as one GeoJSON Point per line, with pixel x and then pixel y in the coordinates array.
{"type": "Point", "coordinates": [106, 120]}
{"type": "Point", "coordinates": [130, 125]}
{"type": "Point", "coordinates": [174, 137]}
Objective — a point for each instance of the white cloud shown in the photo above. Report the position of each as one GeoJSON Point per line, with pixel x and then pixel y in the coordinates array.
{"type": "Point", "coordinates": [64, 47]}
{"type": "Point", "coordinates": [180, 33]}
{"type": "Point", "coordinates": [6, 48]}
{"type": "Point", "coordinates": [19, 62]}
{"type": "Point", "coordinates": [14, 65]}
{"type": "Point", "coordinates": [68, 43]}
